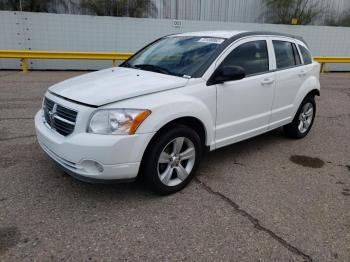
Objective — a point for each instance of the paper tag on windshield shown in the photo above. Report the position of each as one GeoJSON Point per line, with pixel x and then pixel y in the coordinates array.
{"type": "Point", "coordinates": [211, 40]}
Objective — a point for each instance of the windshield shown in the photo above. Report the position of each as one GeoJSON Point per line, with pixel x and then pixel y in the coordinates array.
{"type": "Point", "coordinates": [180, 56]}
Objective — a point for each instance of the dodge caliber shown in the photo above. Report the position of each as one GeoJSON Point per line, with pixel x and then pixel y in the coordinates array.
{"type": "Point", "coordinates": [155, 114]}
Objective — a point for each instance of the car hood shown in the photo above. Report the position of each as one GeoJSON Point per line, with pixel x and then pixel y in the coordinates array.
{"type": "Point", "coordinates": [114, 84]}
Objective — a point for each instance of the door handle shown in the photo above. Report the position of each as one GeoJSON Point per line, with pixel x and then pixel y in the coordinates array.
{"type": "Point", "coordinates": [302, 73]}
{"type": "Point", "coordinates": [267, 81]}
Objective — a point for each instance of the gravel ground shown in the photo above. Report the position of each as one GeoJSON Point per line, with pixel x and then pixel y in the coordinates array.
{"type": "Point", "coordinates": [265, 199]}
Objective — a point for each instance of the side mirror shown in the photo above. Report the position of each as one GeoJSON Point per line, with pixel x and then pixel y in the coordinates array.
{"type": "Point", "coordinates": [225, 74]}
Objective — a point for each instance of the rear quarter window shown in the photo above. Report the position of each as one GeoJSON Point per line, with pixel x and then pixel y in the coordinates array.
{"type": "Point", "coordinates": [306, 55]}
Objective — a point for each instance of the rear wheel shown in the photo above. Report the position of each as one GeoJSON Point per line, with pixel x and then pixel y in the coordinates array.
{"type": "Point", "coordinates": [172, 159]}
{"type": "Point", "coordinates": [303, 119]}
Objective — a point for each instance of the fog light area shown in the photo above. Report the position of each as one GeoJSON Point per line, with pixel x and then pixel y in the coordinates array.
{"type": "Point", "coordinates": [92, 167]}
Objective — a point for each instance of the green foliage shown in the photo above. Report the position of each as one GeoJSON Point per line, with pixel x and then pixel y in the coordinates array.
{"type": "Point", "coordinates": [282, 11]}
{"type": "Point", "coordinates": [11, 5]}
{"type": "Point", "coordinates": [343, 20]}
{"type": "Point", "coordinates": [131, 8]}
{"type": "Point", "coordinates": [33, 5]}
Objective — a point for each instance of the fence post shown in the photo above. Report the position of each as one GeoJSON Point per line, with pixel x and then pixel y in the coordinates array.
{"type": "Point", "coordinates": [24, 65]}
{"type": "Point", "coordinates": [113, 63]}
{"type": "Point", "coordinates": [322, 68]}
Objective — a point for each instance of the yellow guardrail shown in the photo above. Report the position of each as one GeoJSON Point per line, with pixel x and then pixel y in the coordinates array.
{"type": "Point", "coordinates": [29, 54]}
{"type": "Point", "coordinates": [323, 60]}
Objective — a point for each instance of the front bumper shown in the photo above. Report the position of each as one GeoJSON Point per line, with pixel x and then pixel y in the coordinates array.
{"type": "Point", "coordinates": [93, 157]}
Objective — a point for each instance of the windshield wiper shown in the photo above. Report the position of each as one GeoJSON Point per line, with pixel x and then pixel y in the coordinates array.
{"type": "Point", "coordinates": [126, 64]}
{"type": "Point", "coordinates": [154, 68]}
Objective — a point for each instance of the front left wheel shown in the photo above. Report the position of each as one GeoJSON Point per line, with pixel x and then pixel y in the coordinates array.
{"type": "Point", "coordinates": [172, 159]}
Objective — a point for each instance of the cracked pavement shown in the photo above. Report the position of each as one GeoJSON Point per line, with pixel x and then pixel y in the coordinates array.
{"type": "Point", "coordinates": [269, 198]}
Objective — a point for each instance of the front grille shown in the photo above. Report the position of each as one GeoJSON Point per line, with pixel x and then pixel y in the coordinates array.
{"type": "Point", "coordinates": [59, 118]}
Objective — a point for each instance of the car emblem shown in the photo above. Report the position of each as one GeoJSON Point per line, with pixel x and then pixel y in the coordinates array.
{"type": "Point", "coordinates": [52, 113]}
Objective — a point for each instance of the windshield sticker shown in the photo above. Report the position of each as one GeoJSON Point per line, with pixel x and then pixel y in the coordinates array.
{"type": "Point", "coordinates": [211, 40]}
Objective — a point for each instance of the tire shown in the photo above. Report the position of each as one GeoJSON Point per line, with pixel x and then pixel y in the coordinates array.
{"type": "Point", "coordinates": [165, 166]}
{"type": "Point", "coordinates": [303, 119]}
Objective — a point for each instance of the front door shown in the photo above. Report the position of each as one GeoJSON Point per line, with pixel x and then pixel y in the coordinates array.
{"type": "Point", "coordinates": [244, 106]}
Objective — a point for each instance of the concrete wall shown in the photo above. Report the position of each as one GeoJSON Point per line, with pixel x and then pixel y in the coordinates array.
{"type": "Point", "coordinates": [41, 31]}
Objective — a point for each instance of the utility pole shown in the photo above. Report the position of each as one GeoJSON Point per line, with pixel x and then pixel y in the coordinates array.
{"type": "Point", "coordinates": [177, 9]}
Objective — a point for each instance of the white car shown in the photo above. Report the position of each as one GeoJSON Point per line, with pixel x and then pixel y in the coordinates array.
{"type": "Point", "coordinates": [155, 114]}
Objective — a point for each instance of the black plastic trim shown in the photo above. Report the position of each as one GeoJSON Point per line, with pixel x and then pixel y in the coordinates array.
{"type": "Point", "coordinates": [289, 67]}
{"type": "Point", "coordinates": [210, 81]}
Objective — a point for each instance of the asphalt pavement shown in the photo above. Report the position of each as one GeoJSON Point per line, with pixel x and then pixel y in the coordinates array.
{"type": "Point", "coordinates": [269, 198]}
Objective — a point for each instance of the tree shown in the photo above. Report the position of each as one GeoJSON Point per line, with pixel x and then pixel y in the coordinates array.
{"type": "Point", "coordinates": [342, 20]}
{"type": "Point", "coordinates": [345, 20]}
{"type": "Point", "coordinates": [283, 11]}
{"type": "Point", "coordinates": [131, 8]}
{"type": "Point", "coordinates": [11, 5]}
{"type": "Point", "coordinates": [48, 6]}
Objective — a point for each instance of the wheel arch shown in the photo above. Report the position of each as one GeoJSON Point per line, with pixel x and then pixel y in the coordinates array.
{"type": "Point", "coordinates": [310, 87]}
{"type": "Point", "coordinates": [313, 92]}
{"type": "Point", "coordinates": [190, 121]}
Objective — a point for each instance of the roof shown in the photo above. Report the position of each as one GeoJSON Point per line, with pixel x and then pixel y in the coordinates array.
{"type": "Point", "coordinates": [236, 34]}
{"type": "Point", "coordinates": [222, 33]}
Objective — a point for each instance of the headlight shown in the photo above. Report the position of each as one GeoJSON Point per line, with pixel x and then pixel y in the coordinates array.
{"type": "Point", "coordinates": [117, 121]}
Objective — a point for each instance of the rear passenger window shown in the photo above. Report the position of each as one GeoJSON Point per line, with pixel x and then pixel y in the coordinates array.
{"type": "Point", "coordinates": [252, 56]}
{"type": "Point", "coordinates": [306, 55]}
{"type": "Point", "coordinates": [285, 54]}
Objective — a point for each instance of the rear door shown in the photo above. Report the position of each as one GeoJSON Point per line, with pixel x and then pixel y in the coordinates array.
{"type": "Point", "coordinates": [290, 75]}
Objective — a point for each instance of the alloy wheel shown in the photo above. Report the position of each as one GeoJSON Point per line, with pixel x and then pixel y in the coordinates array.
{"type": "Point", "coordinates": [305, 118]}
{"type": "Point", "coordinates": [176, 161]}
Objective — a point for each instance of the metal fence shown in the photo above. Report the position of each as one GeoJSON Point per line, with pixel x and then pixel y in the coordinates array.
{"type": "Point", "coordinates": [62, 32]}
{"type": "Point", "coordinates": [25, 55]}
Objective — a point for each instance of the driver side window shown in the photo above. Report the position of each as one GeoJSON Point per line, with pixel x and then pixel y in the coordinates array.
{"type": "Point", "coordinates": [251, 56]}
